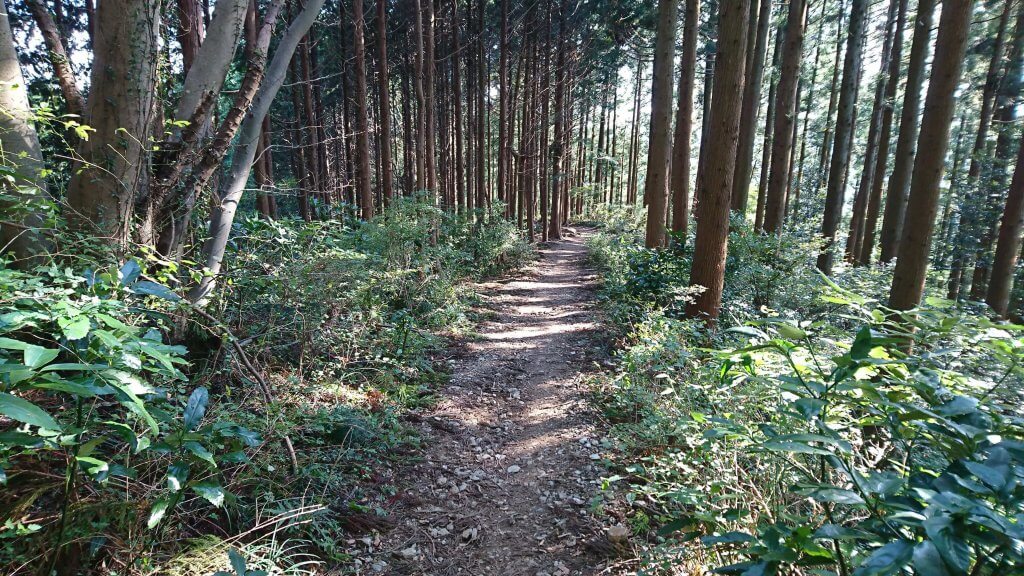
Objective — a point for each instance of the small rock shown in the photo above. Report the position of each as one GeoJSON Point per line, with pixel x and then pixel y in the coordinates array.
{"type": "Point", "coordinates": [407, 553]}
{"type": "Point", "coordinates": [618, 533]}
{"type": "Point", "coordinates": [513, 469]}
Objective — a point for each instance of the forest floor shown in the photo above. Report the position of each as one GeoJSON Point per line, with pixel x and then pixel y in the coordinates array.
{"type": "Point", "coordinates": [510, 450]}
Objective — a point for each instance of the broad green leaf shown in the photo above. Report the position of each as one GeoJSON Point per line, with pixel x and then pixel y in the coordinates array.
{"type": "Point", "coordinates": [129, 272]}
{"type": "Point", "coordinates": [37, 356]}
{"type": "Point", "coordinates": [837, 495]}
{"type": "Point", "coordinates": [237, 562]}
{"type": "Point", "coordinates": [177, 475]}
{"type": "Point", "coordinates": [887, 560]}
{"type": "Point", "coordinates": [196, 408]}
{"type": "Point", "coordinates": [928, 561]}
{"type": "Point", "coordinates": [953, 548]}
{"type": "Point", "coordinates": [210, 491]}
{"type": "Point", "coordinates": [153, 289]}
{"type": "Point", "coordinates": [157, 512]}
{"type": "Point", "coordinates": [93, 466]}
{"type": "Point", "coordinates": [75, 328]}
{"type": "Point", "coordinates": [26, 412]}
{"type": "Point", "coordinates": [727, 538]}
{"type": "Point", "coordinates": [199, 451]}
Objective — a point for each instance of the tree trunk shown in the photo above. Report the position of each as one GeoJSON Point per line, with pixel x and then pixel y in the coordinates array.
{"type": "Point", "coordinates": [363, 190]}
{"type": "Point", "coordinates": [430, 120]}
{"type": "Point", "coordinates": [103, 189]}
{"type": "Point", "coordinates": [833, 99]}
{"type": "Point", "coordinates": [22, 157]}
{"type": "Point", "coordinates": [766, 146]}
{"type": "Point", "coordinates": [912, 260]}
{"type": "Point", "coordinates": [845, 120]}
{"type": "Point", "coordinates": [903, 162]}
{"type": "Point", "coordinates": [58, 56]}
{"type": "Point", "coordinates": [684, 120]}
{"type": "Point", "coordinates": [872, 161]}
{"type": "Point", "coordinates": [421, 103]}
{"type": "Point", "coordinates": [892, 84]}
{"type": "Point", "coordinates": [656, 184]}
{"type": "Point", "coordinates": [503, 106]}
{"type": "Point", "coordinates": [223, 212]}
{"type": "Point", "coordinates": [995, 183]}
{"type": "Point", "coordinates": [481, 113]}
{"type": "Point", "coordinates": [712, 239]}
{"type": "Point", "coordinates": [785, 118]}
{"type": "Point", "coordinates": [384, 90]}
{"type": "Point", "coordinates": [1004, 263]}
{"type": "Point", "coordinates": [751, 105]}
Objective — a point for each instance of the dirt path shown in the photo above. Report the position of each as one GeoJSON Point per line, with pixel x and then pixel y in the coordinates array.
{"type": "Point", "coordinates": [509, 464]}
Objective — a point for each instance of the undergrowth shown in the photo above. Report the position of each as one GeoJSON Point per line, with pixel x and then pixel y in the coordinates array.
{"type": "Point", "coordinates": [813, 431]}
{"type": "Point", "coordinates": [142, 435]}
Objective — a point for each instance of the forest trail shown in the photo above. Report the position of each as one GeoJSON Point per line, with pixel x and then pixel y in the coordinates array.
{"type": "Point", "coordinates": [507, 474]}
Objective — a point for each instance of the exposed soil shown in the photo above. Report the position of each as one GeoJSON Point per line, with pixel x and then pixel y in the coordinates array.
{"type": "Point", "coordinates": [509, 461]}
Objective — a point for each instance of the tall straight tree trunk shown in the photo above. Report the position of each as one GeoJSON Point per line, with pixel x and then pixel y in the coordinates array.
{"type": "Point", "coordinates": [634, 135]}
{"type": "Point", "coordinates": [845, 120]}
{"type": "Point", "coordinates": [871, 160]}
{"type": "Point", "coordinates": [684, 120]}
{"type": "Point", "coordinates": [892, 84]}
{"type": "Point", "coordinates": [766, 147]}
{"type": "Point", "coordinates": [710, 53]}
{"type": "Point", "coordinates": [559, 148]}
{"type": "Point", "coordinates": [811, 93]}
{"type": "Point", "coordinates": [311, 153]}
{"type": "Point", "coordinates": [363, 190]}
{"type": "Point", "coordinates": [481, 112]}
{"type": "Point", "coordinates": [429, 84]}
{"type": "Point", "coordinates": [711, 244]}
{"type": "Point", "coordinates": [1008, 245]}
{"type": "Point", "coordinates": [503, 105]}
{"type": "Point", "coordinates": [384, 90]}
{"type": "Point", "coordinates": [751, 105]}
{"type": "Point", "coordinates": [421, 103]}
{"type": "Point", "coordinates": [833, 100]}
{"type": "Point", "coordinates": [1005, 119]}
{"type": "Point", "coordinates": [785, 118]}
{"type": "Point", "coordinates": [972, 244]}
{"type": "Point", "coordinates": [656, 184]}
{"type": "Point", "coordinates": [460, 159]}
{"type": "Point", "coordinates": [912, 260]}
{"type": "Point", "coordinates": [903, 159]}
{"type": "Point", "coordinates": [408, 162]}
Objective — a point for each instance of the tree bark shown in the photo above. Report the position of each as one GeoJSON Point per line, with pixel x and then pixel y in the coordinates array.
{"type": "Point", "coordinates": [871, 161]}
{"type": "Point", "coordinates": [903, 162]}
{"type": "Point", "coordinates": [656, 184]}
{"type": "Point", "coordinates": [21, 216]}
{"type": "Point", "coordinates": [912, 260]}
{"type": "Point", "coordinates": [1004, 263]}
{"type": "Point", "coordinates": [845, 121]}
{"type": "Point", "coordinates": [711, 244]}
{"type": "Point", "coordinates": [58, 57]}
{"type": "Point", "coordinates": [223, 212]}
{"type": "Point", "coordinates": [785, 118]}
{"type": "Point", "coordinates": [751, 106]}
{"type": "Point", "coordinates": [684, 120]}
{"type": "Point", "coordinates": [384, 90]}
{"type": "Point", "coordinates": [892, 84]}
{"type": "Point", "coordinates": [363, 190]}
{"type": "Point", "coordinates": [113, 168]}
